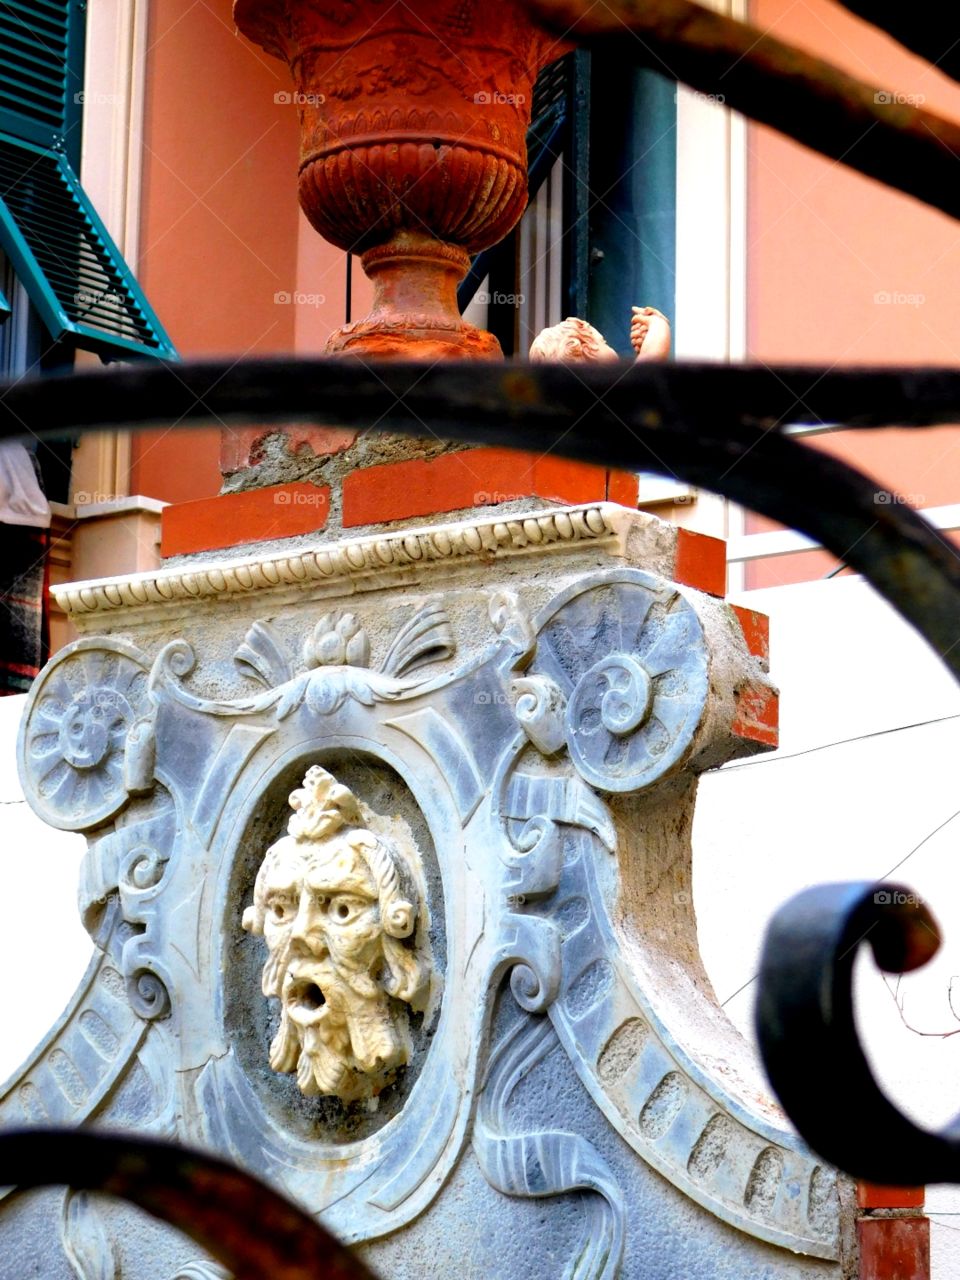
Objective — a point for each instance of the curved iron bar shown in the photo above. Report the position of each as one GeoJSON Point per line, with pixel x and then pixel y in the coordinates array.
{"type": "Point", "coordinates": [804, 1015]}
{"type": "Point", "coordinates": [502, 397]}
{"type": "Point", "coordinates": [713, 426]}
{"type": "Point", "coordinates": [256, 1233]}
{"type": "Point", "coordinates": [807, 98]}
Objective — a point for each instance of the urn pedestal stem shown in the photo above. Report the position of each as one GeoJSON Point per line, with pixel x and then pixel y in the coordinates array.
{"type": "Point", "coordinates": [415, 312]}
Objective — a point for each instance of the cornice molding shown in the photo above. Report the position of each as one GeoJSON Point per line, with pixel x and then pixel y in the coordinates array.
{"type": "Point", "coordinates": [500, 535]}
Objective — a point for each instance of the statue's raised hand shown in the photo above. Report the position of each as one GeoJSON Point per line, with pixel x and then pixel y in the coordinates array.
{"type": "Point", "coordinates": [650, 333]}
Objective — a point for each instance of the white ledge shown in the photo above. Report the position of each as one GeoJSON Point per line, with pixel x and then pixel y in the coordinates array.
{"type": "Point", "coordinates": [475, 539]}
{"type": "Point", "coordinates": [786, 542]}
{"type": "Point", "coordinates": [113, 507]}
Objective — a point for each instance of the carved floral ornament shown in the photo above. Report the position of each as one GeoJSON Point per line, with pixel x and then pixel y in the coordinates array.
{"type": "Point", "coordinates": [339, 910]}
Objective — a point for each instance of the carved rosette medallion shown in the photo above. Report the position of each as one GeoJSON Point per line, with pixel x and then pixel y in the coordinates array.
{"type": "Point", "coordinates": [83, 734]}
{"type": "Point", "coordinates": [340, 911]}
{"type": "Point", "coordinates": [632, 714]}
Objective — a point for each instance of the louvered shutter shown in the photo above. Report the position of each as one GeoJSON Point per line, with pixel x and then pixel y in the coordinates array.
{"type": "Point", "coordinates": [548, 119]}
{"type": "Point", "coordinates": [548, 111]}
{"type": "Point", "coordinates": [59, 249]}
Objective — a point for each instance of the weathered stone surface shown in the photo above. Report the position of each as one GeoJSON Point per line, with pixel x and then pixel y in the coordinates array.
{"type": "Point", "coordinates": [507, 722]}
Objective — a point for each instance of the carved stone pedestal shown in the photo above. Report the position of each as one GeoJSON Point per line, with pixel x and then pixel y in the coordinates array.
{"type": "Point", "coordinates": [389, 876]}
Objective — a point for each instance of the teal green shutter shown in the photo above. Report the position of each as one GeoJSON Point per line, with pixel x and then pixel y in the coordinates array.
{"type": "Point", "coordinates": [59, 249]}
{"type": "Point", "coordinates": [633, 228]}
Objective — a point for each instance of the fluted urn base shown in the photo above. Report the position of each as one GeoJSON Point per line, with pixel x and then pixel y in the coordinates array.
{"type": "Point", "coordinates": [415, 313]}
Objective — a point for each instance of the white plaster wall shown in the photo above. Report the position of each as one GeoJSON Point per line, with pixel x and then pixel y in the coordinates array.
{"type": "Point", "coordinates": [864, 786]}
{"type": "Point", "coordinates": [44, 949]}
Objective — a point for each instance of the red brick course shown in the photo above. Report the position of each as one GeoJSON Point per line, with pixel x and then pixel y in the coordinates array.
{"type": "Point", "coordinates": [213, 524]}
{"type": "Point", "coordinates": [701, 562]}
{"type": "Point", "coordinates": [894, 1248]}
{"type": "Point", "coordinates": [758, 715]}
{"type": "Point", "coordinates": [871, 1196]}
{"type": "Point", "coordinates": [471, 478]}
{"type": "Point", "coordinates": [623, 487]}
{"type": "Point", "coordinates": [242, 447]}
{"type": "Point", "coordinates": [756, 631]}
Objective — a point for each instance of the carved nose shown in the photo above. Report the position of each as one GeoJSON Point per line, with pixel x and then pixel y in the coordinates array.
{"type": "Point", "coordinates": [308, 927]}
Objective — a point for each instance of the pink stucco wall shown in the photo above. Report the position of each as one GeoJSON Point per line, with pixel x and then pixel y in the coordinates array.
{"type": "Point", "coordinates": [826, 245]}
{"type": "Point", "coordinates": [227, 260]}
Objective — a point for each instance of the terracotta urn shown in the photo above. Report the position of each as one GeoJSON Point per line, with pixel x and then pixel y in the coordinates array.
{"type": "Point", "coordinates": [413, 120]}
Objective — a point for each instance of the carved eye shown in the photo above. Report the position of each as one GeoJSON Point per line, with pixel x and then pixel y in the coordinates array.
{"type": "Point", "coordinates": [344, 910]}
{"type": "Point", "coordinates": [279, 910]}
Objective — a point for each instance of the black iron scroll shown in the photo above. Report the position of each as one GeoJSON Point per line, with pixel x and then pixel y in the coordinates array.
{"type": "Point", "coordinates": [805, 1023]}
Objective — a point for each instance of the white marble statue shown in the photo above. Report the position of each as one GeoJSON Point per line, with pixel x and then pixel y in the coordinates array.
{"type": "Point", "coordinates": [575, 339]}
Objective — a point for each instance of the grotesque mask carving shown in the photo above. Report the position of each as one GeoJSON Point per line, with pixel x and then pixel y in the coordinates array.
{"type": "Point", "coordinates": [339, 909]}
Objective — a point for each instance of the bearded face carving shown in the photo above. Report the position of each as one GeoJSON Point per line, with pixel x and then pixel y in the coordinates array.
{"type": "Point", "coordinates": [339, 909]}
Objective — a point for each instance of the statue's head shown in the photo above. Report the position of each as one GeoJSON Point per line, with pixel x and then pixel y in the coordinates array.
{"type": "Point", "coordinates": [338, 908]}
{"type": "Point", "coordinates": [571, 339]}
